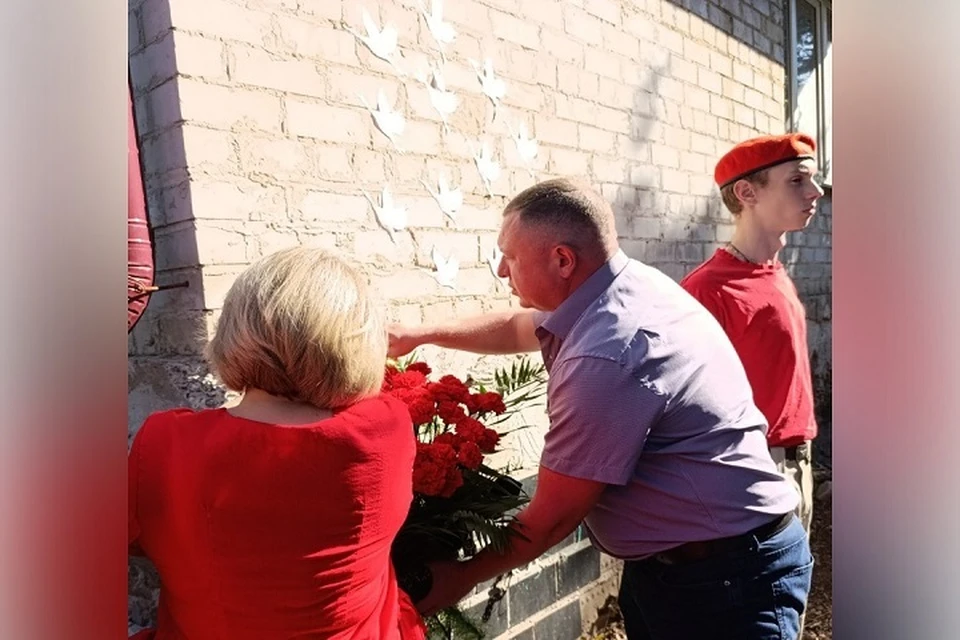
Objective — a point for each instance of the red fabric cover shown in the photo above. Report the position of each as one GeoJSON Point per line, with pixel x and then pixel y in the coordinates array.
{"type": "Point", "coordinates": [263, 531]}
{"type": "Point", "coordinates": [762, 152]}
{"type": "Point", "coordinates": [139, 247]}
{"type": "Point", "coordinates": [759, 309]}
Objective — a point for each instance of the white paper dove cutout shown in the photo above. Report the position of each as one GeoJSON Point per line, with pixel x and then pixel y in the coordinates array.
{"type": "Point", "coordinates": [443, 32]}
{"type": "Point", "coordinates": [493, 261]}
{"type": "Point", "coordinates": [447, 269]}
{"type": "Point", "coordinates": [390, 216]}
{"type": "Point", "coordinates": [381, 42]}
{"type": "Point", "coordinates": [493, 87]}
{"type": "Point", "coordinates": [527, 148]}
{"type": "Point", "coordinates": [449, 200]}
{"type": "Point", "coordinates": [390, 122]}
{"type": "Point", "coordinates": [487, 166]}
{"type": "Point", "coordinates": [445, 102]}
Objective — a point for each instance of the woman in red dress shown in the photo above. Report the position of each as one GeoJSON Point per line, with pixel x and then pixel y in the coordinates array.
{"type": "Point", "coordinates": [273, 519]}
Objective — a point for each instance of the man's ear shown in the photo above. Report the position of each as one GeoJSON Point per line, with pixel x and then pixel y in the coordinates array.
{"type": "Point", "coordinates": [566, 259]}
{"type": "Point", "coordinates": [745, 191]}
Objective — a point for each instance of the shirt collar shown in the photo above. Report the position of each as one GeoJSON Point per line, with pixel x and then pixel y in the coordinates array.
{"type": "Point", "coordinates": [561, 320]}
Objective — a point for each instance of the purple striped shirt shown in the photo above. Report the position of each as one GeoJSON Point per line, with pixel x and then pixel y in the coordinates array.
{"type": "Point", "coordinates": [647, 394]}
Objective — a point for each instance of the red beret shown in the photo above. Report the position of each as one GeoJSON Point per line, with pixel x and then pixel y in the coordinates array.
{"type": "Point", "coordinates": [761, 153]}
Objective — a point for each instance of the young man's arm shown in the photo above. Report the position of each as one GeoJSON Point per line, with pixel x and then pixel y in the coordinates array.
{"type": "Point", "coordinates": [492, 333]}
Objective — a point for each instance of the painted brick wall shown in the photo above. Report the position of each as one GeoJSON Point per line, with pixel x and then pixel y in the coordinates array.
{"type": "Point", "coordinates": [254, 137]}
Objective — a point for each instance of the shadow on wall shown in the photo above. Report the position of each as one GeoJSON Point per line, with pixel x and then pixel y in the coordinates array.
{"type": "Point", "coordinates": [672, 231]}
{"type": "Point", "coordinates": [638, 218]}
{"type": "Point", "coordinates": [165, 367]}
{"type": "Point", "coordinates": [666, 226]}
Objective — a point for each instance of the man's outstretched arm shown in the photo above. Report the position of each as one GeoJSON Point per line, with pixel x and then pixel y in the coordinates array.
{"type": "Point", "coordinates": [492, 333]}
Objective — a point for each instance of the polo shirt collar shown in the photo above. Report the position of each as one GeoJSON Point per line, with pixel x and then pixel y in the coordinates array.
{"type": "Point", "coordinates": [560, 321]}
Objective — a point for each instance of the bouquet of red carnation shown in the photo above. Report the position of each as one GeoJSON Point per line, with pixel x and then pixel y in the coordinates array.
{"type": "Point", "coordinates": [461, 505]}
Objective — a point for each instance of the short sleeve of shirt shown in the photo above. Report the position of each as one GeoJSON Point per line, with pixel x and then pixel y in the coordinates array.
{"type": "Point", "coordinates": [600, 415]}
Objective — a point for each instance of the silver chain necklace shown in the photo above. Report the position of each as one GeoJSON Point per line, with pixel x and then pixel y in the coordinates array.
{"type": "Point", "coordinates": [742, 255]}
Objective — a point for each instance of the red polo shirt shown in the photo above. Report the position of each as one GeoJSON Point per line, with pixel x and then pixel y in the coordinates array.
{"type": "Point", "coordinates": [759, 309]}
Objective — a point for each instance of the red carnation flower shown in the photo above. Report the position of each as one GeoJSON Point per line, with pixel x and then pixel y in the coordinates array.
{"type": "Point", "coordinates": [450, 388]}
{"type": "Point", "coordinates": [450, 412]}
{"type": "Point", "coordinates": [432, 469]}
{"type": "Point", "coordinates": [409, 396]}
{"type": "Point", "coordinates": [451, 439]}
{"type": "Point", "coordinates": [488, 441]}
{"type": "Point", "coordinates": [488, 402]}
{"type": "Point", "coordinates": [428, 480]}
{"type": "Point", "coordinates": [408, 380]}
{"type": "Point", "coordinates": [470, 429]}
{"type": "Point", "coordinates": [419, 366]}
{"type": "Point", "coordinates": [453, 482]}
{"type": "Point", "coordinates": [469, 455]}
{"type": "Point", "coordinates": [422, 410]}
{"type": "Point", "coordinates": [388, 376]}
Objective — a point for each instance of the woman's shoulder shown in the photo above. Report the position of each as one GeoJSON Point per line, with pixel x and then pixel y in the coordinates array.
{"type": "Point", "coordinates": [170, 421]}
{"type": "Point", "coordinates": [381, 408]}
{"type": "Point", "coordinates": [182, 415]}
{"type": "Point", "coordinates": [376, 420]}
{"type": "Point", "coordinates": [379, 426]}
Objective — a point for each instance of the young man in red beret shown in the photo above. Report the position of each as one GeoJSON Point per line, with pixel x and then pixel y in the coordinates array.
{"type": "Point", "coordinates": [768, 185]}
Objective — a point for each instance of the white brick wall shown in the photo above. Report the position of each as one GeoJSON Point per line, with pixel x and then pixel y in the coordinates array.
{"type": "Point", "coordinates": [255, 137]}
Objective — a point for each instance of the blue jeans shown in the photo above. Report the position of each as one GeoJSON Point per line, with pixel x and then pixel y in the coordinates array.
{"type": "Point", "coordinates": [757, 592]}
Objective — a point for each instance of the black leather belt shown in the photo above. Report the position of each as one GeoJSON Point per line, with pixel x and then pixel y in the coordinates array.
{"type": "Point", "coordinates": [693, 551]}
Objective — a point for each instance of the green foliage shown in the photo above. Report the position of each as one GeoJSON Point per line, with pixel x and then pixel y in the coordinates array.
{"type": "Point", "coordinates": [403, 362]}
{"type": "Point", "coordinates": [522, 384]}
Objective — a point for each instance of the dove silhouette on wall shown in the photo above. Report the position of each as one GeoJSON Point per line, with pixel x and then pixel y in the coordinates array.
{"type": "Point", "coordinates": [527, 147]}
{"type": "Point", "coordinates": [389, 121]}
{"type": "Point", "coordinates": [443, 101]}
{"type": "Point", "coordinates": [447, 268]}
{"type": "Point", "coordinates": [381, 42]}
{"type": "Point", "coordinates": [488, 167]}
{"type": "Point", "coordinates": [443, 32]}
{"type": "Point", "coordinates": [390, 216]}
{"type": "Point", "coordinates": [449, 200]}
{"type": "Point", "coordinates": [493, 87]}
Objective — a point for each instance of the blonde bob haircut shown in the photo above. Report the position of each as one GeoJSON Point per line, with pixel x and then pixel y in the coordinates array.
{"type": "Point", "coordinates": [301, 324]}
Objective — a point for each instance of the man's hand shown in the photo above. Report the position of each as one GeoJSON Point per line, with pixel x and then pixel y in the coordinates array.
{"type": "Point", "coordinates": [402, 340]}
{"type": "Point", "coordinates": [450, 586]}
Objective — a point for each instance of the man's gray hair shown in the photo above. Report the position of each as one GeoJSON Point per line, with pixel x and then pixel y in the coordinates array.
{"type": "Point", "coordinates": [571, 211]}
